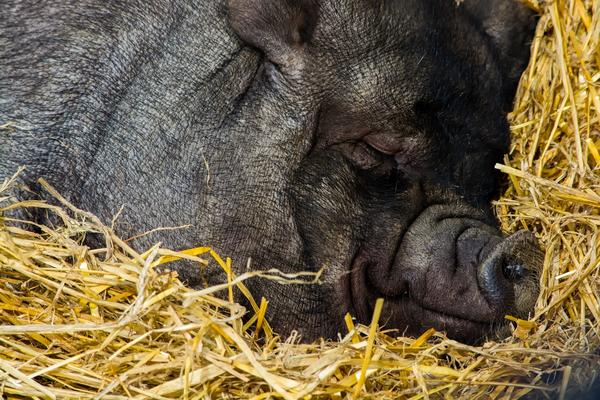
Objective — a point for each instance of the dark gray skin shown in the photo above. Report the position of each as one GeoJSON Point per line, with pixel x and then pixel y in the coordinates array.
{"type": "Point", "coordinates": [356, 136]}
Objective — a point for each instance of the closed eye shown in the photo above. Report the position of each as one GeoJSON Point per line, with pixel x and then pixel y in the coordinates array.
{"type": "Point", "coordinates": [366, 158]}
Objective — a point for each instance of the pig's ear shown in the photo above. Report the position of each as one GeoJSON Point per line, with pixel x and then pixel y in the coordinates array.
{"type": "Point", "coordinates": [511, 26]}
{"type": "Point", "coordinates": [279, 28]}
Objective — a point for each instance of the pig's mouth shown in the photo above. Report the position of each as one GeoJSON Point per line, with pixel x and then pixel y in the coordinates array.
{"type": "Point", "coordinates": [450, 272]}
{"type": "Point", "coordinates": [409, 316]}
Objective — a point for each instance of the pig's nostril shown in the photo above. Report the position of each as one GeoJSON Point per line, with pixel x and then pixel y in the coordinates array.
{"type": "Point", "coordinates": [513, 272]}
{"type": "Point", "coordinates": [507, 276]}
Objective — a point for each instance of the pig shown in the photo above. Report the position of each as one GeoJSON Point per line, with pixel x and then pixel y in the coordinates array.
{"type": "Point", "coordinates": [353, 137]}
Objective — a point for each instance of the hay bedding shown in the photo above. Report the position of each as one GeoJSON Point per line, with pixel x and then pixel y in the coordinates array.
{"type": "Point", "coordinates": [81, 323]}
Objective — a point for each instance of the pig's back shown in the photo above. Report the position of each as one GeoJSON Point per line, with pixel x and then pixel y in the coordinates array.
{"type": "Point", "coordinates": [109, 101]}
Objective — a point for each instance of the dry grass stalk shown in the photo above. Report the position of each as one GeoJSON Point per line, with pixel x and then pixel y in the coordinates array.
{"type": "Point", "coordinates": [76, 325]}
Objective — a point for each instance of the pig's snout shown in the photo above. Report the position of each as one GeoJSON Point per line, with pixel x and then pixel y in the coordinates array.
{"type": "Point", "coordinates": [453, 271]}
{"type": "Point", "coordinates": [508, 274]}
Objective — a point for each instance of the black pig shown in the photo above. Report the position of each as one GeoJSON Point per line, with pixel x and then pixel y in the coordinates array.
{"type": "Point", "coordinates": [358, 136]}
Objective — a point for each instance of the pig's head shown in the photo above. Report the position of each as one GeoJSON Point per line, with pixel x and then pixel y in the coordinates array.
{"type": "Point", "coordinates": [375, 127]}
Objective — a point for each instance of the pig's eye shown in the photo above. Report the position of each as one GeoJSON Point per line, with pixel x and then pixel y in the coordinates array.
{"type": "Point", "coordinates": [366, 158]}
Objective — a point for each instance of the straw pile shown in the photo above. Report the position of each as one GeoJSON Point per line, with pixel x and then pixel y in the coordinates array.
{"type": "Point", "coordinates": [81, 323]}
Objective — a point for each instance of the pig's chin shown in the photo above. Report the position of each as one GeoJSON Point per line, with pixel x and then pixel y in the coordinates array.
{"type": "Point", "coordinates": [405, 314]}
{"type": "Point", "coordinates": [462, 329]}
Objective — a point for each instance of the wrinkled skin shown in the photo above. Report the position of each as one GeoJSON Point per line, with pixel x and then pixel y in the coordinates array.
{"type": "Point", "coordinates": [356, 136]}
